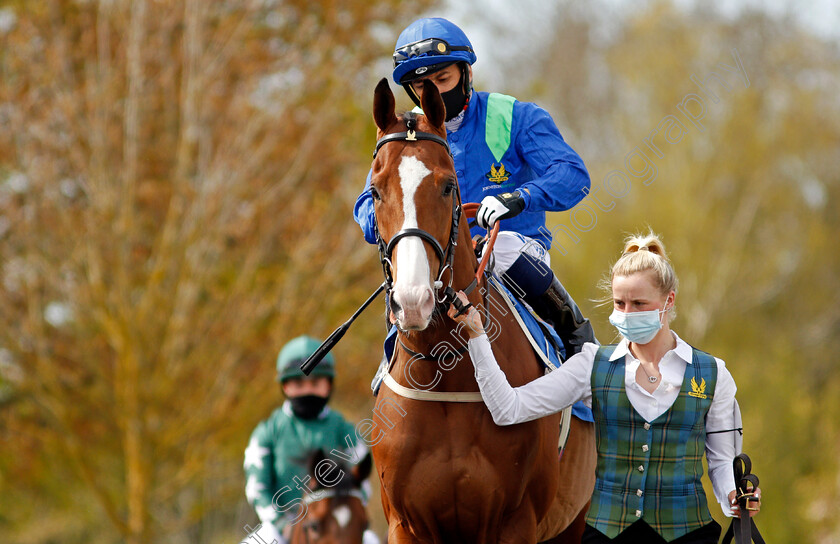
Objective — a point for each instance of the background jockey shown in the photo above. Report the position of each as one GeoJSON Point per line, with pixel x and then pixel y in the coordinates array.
{"type": "Point", "coordinates": [280, 447]}
{"type": "Point", "coordinates": [509, 156]}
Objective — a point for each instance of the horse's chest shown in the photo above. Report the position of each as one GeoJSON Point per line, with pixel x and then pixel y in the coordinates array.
{"type": "Point", "coordinates": [460, 447]}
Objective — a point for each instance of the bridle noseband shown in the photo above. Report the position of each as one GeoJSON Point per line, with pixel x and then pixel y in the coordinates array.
{"type": "Point", "coordinates": [445, 255]}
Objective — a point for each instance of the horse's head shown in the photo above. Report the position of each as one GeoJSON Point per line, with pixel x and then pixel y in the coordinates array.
{"type": "Point", "coordinates": [335, 513]}
{"type": "Point", "coordinates": [416, 200]}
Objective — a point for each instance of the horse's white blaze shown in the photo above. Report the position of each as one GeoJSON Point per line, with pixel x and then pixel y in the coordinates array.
{"type": "Point", "coordinates": [412, 173]}
{"type": "Point", "coordinates": [412, 289]}
{"type": "Point", "coordinates": [342, 515]}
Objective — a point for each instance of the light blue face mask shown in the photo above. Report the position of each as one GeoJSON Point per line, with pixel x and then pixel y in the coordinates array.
{"type": "Point", "coordinates": [637, 327]}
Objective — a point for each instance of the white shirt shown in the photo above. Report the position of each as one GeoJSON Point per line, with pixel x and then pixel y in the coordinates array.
{"type": "Point", "coordinates": [572, 382]}
{"type": "Point", "coordinates": [455, 123]}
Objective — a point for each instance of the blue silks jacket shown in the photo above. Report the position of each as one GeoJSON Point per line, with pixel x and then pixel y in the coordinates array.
{"type": "Point", "coordinates": [503, 145]}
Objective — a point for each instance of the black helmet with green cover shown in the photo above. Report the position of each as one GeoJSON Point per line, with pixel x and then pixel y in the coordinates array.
{"type": "Point", "coordinates": [295, 352]}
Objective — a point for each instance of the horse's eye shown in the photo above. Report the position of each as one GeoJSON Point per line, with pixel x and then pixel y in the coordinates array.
{"type": "Point", "coordinates": [374, 193]}
{"type": "Point", "coordinates": [447, 190]}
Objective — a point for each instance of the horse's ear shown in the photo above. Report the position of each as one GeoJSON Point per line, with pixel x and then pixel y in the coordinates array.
{"type": "Point", "coordinates": [432, 105]}
{"type": "Point", "coordinates": [362, 470]}
{"type": "Point", "coordinates": [383, 106]}
{"type": "Point", "coordinates": [316, 458]}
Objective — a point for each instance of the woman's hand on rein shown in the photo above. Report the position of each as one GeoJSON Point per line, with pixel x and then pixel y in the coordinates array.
{"type": "Point", "coordinates": [471, 318]}
{"type": "Point", "coordinates": [736, 510]}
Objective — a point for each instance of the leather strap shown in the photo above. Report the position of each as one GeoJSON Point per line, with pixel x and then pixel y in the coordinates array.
{"type": "Point", "coordinates": [743, 529]}
{"type": "Point", "coordinates": [410, 136]}
{"type": "Point", "coordinates": [439, 396]}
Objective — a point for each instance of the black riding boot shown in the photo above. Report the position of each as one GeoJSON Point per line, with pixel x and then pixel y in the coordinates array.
{"type": "Point", "coordinates": [558, 308]}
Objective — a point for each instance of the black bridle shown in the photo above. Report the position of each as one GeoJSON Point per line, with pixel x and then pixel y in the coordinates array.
{"type": "Point", "coordinates": [445, 255]}
{"type": "Point", "coordinates": [411, 134]}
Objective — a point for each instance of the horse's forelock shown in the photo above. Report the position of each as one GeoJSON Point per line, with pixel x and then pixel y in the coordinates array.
{"type": "Point", "coordinates": [423, 123]}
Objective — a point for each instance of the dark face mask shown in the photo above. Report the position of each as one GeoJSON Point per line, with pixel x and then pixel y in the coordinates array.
{"type": "Point", "coordinates": [455, 99]}
{"type": "Point", "coordinates": [308, 406]}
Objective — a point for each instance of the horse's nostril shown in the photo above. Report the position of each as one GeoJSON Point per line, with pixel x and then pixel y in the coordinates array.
{"type": "Point", "coordinates": [395, 306]}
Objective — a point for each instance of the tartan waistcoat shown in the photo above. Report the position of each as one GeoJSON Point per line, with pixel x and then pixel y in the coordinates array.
{"type": "Point", "coordinates": [650, 470]}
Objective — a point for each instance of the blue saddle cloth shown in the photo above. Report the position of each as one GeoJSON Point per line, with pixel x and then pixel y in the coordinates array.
{"type": "Point", "coordinates": [544, 336]}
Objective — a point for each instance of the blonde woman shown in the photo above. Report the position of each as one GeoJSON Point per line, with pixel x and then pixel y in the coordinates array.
{"type": "Point", "coordinates": [658, 403]}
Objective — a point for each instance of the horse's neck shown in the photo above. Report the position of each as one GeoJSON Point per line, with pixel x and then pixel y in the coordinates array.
{"type": "Point", "coordinates": [440, 334]}
{"type": "Point", "coordinates": [446, 345]}
{"type": "Point", "coordinates": [443, 365]}
{"type": "Point", "coordinates": [464, 263]}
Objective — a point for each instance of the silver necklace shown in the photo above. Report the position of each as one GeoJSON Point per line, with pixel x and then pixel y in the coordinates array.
{"type": "Point", "coordinates": [651, 379]}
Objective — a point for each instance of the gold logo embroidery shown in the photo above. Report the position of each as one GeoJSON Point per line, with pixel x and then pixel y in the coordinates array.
{"type": "Point", "coordinates": [698, 391]}
{"type": "Point", "coordinates": [497, 175]}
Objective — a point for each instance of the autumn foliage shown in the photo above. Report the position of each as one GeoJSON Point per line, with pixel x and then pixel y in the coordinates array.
{"type": "Point", "coordinates": [176, 188]}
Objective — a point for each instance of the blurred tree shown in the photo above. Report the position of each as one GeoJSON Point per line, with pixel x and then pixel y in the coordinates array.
{"type": "Point", "coordinates": [176, 179]}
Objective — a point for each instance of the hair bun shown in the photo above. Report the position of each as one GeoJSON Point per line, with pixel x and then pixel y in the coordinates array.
{"type": "Point", "coordinates": [643, 252]}
{"type": "Point", "coordinates": [649, 242]}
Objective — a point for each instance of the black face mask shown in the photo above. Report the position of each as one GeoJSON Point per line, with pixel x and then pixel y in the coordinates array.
{"type": "Point", "coordinates": [455, 99]}
{"type": "Point", "coordinates": [308, 406]}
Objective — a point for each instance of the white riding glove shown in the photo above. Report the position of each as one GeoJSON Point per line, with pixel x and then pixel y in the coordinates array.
{"type": "Point", "coordinates": [498, 207]}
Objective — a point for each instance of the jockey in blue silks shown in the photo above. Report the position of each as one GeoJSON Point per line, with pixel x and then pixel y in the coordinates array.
{"type": "Point", "coordinates": [508, 155]}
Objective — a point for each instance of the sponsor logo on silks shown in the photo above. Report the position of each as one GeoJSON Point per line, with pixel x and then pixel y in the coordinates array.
{"type": "Point", "coordinates": [698, 391]}
{"type": "Point", "coordinates": [497, 175]}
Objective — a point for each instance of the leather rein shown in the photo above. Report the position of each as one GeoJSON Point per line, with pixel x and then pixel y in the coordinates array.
{"type": "Point", "coordinates": [743, 529]}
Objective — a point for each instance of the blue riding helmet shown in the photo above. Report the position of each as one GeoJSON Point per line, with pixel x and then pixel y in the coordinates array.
{"type": "Point", "coordinates": [426, 46]}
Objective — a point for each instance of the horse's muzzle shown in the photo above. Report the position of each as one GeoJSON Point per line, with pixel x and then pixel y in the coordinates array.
{"type": "Point", "coordinates": [412, 307]}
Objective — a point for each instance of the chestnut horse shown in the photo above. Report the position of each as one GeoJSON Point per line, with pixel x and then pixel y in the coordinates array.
{"type": "Point", "coordinates": [335, 513]}
{"type": "Point", "coordinates": [447, 472]}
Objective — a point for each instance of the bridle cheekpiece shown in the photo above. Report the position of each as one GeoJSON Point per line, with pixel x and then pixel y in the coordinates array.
{"type": "Point", "coordinates": [445, 255]}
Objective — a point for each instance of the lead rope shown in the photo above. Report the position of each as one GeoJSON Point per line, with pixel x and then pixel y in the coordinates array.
{"type": "Point", "coordinates": [744, 530]}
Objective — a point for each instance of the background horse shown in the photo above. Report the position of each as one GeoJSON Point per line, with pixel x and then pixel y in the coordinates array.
{"type": "Point", "coordinates": [335, 511]}
{"type": "Point", "coordinates": [448, 473]}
